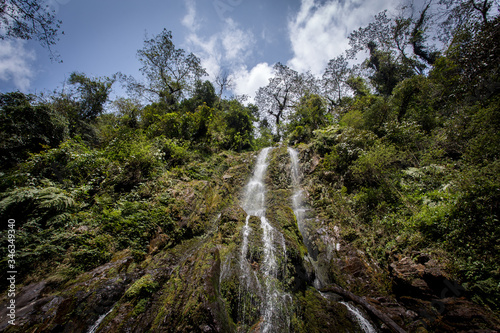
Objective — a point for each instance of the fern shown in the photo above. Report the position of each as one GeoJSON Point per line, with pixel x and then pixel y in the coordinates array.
{"type": "Point", "coordinates": [52, 198]}
{"type": "Point", "coordinates": [59, 220]}
{"type": "Point", "coordinates": [45, 200]}
{"type": "Point", "coordinates": [17, 196]}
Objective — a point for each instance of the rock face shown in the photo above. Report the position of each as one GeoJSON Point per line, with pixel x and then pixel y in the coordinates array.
{"type": "Point", "coordinates": [74, 307]}
{"type": "Point", "coordinates": [422, 287]}
{"type": "Point", "coordinates": [196, 285]}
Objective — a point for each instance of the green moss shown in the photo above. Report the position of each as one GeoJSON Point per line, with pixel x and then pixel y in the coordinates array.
{"type": "Point", "coordinates": [144, 286]}
{"type": "Point", "coordinates": [316, 314]}
{"type": "Point", "coordinates": [140, 307]}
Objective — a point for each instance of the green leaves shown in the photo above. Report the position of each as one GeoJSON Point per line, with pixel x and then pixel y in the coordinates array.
{"type": "Point", "coordinates": [47, 201]}
{"type": "Point", "coordinates": [27, 128]}
{"type": "Point", "coordinates": [170, 72]}
{"type": "Point", "coordinates": [93, 94]}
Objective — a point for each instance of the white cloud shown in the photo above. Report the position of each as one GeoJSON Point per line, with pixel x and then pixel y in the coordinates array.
{"type": "Point", "coordinates": [228, 49]}
{"type": "Point", "coordinates": [15, 62]}
{"type": "Point", "coordinates": [248, 81]}
{"type": "Point", "coordinates": [208, 50]}
{"type": "Point", "coordinates": [189, 21]}
{"type": "Point", "coordinates": [319, 31]}
{"type": "Point", "coordinates": [237, 43]}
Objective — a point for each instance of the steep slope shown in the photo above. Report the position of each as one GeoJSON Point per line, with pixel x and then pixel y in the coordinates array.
{"type": "Point", "coordinates": [246, 263]}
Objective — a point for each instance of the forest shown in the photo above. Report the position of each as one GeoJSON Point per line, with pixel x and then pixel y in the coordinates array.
{"type": "Point", "coordinates": [399, 154]}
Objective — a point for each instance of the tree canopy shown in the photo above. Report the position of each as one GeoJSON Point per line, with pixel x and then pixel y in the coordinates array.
{"type": "Point", "coordinates": [29, 19]}
{"type": "Point", "coordinates": [283, 91]}
{"type": "Point", "coordinates": [170, 72]}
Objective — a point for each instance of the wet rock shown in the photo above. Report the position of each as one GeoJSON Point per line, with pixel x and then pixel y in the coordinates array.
{"type": "Point", "coordinates": [464, 315]}
{"type": "Point", "coordinates": [433, 300]}
{"type": "Point", "coordinates": [77, 307]}
{"type": "Point", "coordinates": [27, 300]}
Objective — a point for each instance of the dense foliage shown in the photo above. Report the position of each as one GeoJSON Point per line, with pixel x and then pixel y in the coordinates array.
{"type": "Point", "coordinates": [407, 151]}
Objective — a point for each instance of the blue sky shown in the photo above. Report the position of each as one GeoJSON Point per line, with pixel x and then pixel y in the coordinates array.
{"type": "Point", "coordinates": [244, 37]}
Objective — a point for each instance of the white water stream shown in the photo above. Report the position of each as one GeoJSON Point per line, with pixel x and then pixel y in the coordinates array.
{"type": "Point", "coordinates": [299, 210]}
{"type": "Point", "coordinates": [364, 324]}
{"type": "Point", "coordinates": [298, 196]}
{"type": "Point", "coordinates": [254, 205]}
{"type": "Point", "coordinates": [274, 302]}
{"type": "Point", "coordinates": [94, 327]}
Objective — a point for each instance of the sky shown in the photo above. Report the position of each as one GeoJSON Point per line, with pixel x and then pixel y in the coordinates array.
{"type": "Point", "coordinates": [242, 37]}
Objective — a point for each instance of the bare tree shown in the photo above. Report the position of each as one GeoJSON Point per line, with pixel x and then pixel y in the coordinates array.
{"type": "Point", "coordinates": [224, 82]}
{"type": "Point", "coordinates": [334, 80]}
{"type": "Point", "coordinates": [282, 93]}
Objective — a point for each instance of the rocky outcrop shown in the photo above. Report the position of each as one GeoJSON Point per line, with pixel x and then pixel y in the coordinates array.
{"type": "Point", "coordinates": [193, 284]}
{"type": "Point", "coordinates": [74, 307]}
{"type": "Point", "coordinates": [422, 286]}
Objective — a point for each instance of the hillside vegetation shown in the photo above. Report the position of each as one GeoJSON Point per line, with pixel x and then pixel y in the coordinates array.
{"type": "Point", "coordinates": [140, 201]}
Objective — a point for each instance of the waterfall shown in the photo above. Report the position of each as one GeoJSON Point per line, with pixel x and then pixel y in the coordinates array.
{"type": "Point", "coordinates": [300, 210]}
{"type": "Point", "coordinates": [297, 198]}
{"type": "Point", "coordinates": [94, 327]}
{"type": "Point", "coordinates": [364, 324]}
{"type": "Point", "coordinates": [254, 205]}
{"type": "Point", "coordinates": [273, 301]}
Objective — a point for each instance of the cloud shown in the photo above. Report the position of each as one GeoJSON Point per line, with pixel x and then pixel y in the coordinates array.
{"type": "Point", "coordinates": [189, 21]}
{"type": "Point", "coordinates": [208, 50]}
{"type": "Point", "coordinates": [237, 42]}
{"type": "Point", "coordinates": [227, 49]}
{"type": "Point", "coordinates": [248, 81]}
{"type": "Point", "coordinates": [15, 63]}
{"type": "Point", "coordinates": [318, 32]}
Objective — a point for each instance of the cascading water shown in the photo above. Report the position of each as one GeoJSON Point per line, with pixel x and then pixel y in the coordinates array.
{"type": "Point", "coordinates": [365, 325]}
{"type": "Point", "coordinates": [299, 210]}
{"type": "Point", "coordinates": [94, 327]}
{"type": "Point", "coordinates": [273, 311]}
{"type": "Point", "coordinates": [253, 204]}
{"type": "Point", "coordinates": [297, 198]}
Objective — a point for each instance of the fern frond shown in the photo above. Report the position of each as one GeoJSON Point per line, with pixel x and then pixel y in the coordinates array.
{"type": "Point", "coordinates": [59, 220]}
{"type": "Point", "coordinates": [17, 196]}
{"type": "Point", "coordinates": [52, 198]}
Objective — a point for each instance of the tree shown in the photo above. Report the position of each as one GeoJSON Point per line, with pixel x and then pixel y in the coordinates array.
{"type": "Point", "coordinates": [380, 32]}
{"type": "Point", "coordinates": [82, 103]}
{"type": "Point", "coordinates": [92, 94]}
{"type": "Point", "coordinates": [28, 19]}
{"type": "Point", "coordinates": [476, 53]}
{"type": "Point", "coordinates": [308, 116]}
{"type": "Point", "coordinates": [239, 126]}
{"type": "Point", "coordinates": [129, 111]}
{"type": "Point", "coordinates": [223, 82]}
{"type": "Point", "coordinates": [169, 71]}
{"type": "Point", "coordinates": [418, 38]}
{"type": "Point", "coordinates": [461, 15]}
{"type": "Point", "coordinates": [387, 71]}
{"type": "Point", "coordinates": [27, 128]}
{"type": "Point", "coordinates": [204, 92]}
{"type": "Point", "coordinates": [335, 79]}
{"type": "Point", "coordinates": [281, 94]}
{"type": "Point", "coordinates": [402, 37]}
{"type": "Point", "coordinates": [358, 85]}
